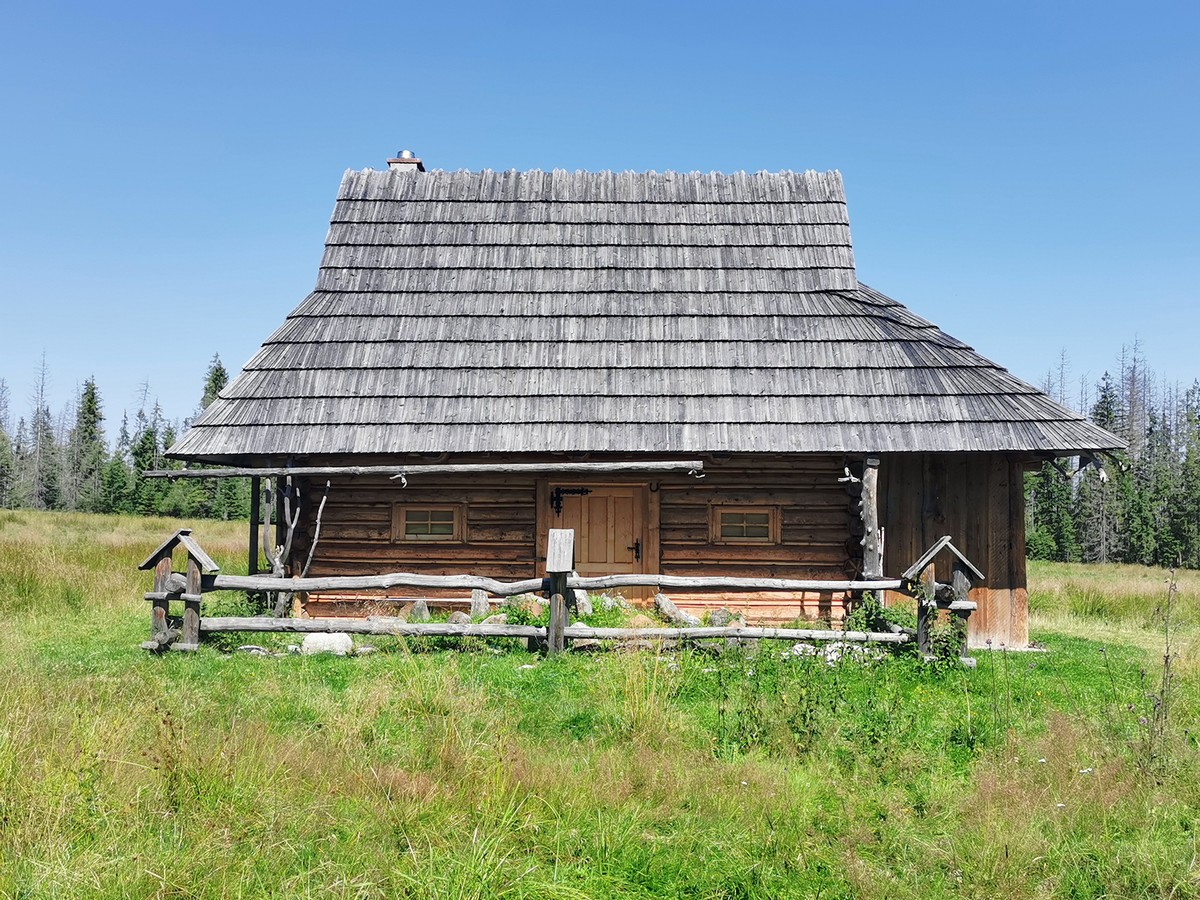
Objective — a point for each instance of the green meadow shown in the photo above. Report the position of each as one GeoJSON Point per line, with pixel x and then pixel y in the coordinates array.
{"type": "Point", "coordinates": [434, 769]}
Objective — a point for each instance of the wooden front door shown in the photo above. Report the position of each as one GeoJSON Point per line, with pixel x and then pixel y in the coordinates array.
{"type": "Point", "coordinates": [610, 527]}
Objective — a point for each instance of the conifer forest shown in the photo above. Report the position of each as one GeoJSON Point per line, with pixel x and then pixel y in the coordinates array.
{"type": "Point", "coordinates": [1138, 506]}
{"type": "Point", "coordinates": [68, 461]}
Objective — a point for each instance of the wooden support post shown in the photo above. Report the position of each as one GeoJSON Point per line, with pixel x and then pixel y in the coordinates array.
{"type": "Point", "coordinates": [960, 584]}
{"type": "Point", "coordinates": [927, 611]}
{"type": "Point", "coordinates": [560, 562]}
{"type": "Point", "coordinates": [872, 540]}
{"type": "Point", "coordinates": [280, 533]}
{"type": "Point", "coordinates": [255, 514]}
{"type": "Point", "coordinates": [160, 629]}
{"type": "Point", "coordinates": [189, 638]}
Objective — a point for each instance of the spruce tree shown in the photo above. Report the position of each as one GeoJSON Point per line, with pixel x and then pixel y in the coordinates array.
{"type": "Point", "coordinates": [215, 380]}
{"type": "Point", "coordinates": [86, 449]}
{"type": "Point", "coordinates": [146, 454]}
{"type": "Point", "coordinates": [7, 470]}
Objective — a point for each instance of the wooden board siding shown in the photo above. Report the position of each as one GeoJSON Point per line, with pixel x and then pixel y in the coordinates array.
{"type": "Point", "coordinates": [978, 499]}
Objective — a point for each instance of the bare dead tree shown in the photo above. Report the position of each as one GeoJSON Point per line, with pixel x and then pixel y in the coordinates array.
{"type": "Point", "coordinates": [316, 533]}
{"type": "Point", "coordinates": [279, 555]}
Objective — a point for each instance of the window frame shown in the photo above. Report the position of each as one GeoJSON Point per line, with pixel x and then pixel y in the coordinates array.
{"type": "Point", "coordinates": [400, 512]}
{"type": "Point", "coordinates": [774, 524]}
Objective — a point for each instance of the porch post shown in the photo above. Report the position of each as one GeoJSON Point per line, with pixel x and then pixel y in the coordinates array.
{"type": "Point", "coordinates": [872, 540]}
{"type": "Point", "coordinates": [255, 514]}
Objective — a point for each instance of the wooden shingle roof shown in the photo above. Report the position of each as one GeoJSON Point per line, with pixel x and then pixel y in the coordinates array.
{"type": "Point", "coordinates": [555, 311]}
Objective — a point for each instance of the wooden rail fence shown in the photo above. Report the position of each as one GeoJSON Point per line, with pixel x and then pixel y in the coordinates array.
{"type": "Point", "coordinates": [202, 575]}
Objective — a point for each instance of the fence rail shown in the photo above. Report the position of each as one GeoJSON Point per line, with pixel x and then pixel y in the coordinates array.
{"type": "Point", "coordinates": [559, 584]}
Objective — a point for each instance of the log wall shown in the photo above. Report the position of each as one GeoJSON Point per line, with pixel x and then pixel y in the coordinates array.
{"type": "Point", "coordinates": [817, 533]}
{"type": "Point", "coordinates": [976, 498]}
{"type": "Point", "coordinates": [506, 518]}
{"type": "Point", "coordinates": [979, 500]}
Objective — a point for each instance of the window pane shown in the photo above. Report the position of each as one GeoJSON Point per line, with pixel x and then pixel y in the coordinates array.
{"type": "Point", "coordinates": [746, 525]}
{"type": "Point", "coordinates": [430, 524]}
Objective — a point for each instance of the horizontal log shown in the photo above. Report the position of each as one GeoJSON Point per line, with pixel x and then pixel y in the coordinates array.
{"type": "Point", "coordinates": [550, 468]}
{"type": "Point", "coordinates": [730, 584]}
{"type": "Point", "coordinates": [511, 588]}
{"type": "Point", "coordinates": [391, 625]}
{"type": "Point", "coordinates": [171, 595]}
{"type": "Point", "coordinates": [370, 582]}
{"type": "Point", "coordinates": [372, 625]}
{"type": "Point", "coordinates": [747, 632]}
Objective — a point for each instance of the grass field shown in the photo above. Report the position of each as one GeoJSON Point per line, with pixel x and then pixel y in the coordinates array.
{"type": "Point", "coordinates": [486, 771]}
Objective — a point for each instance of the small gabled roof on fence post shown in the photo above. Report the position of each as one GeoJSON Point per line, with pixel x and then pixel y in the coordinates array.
{"type": "Point", "coordinates": [943, 543]}
{"type": "Point", "coordinates": [182, 536]}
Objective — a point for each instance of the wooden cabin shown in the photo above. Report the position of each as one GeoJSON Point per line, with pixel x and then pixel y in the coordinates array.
{"type": "Point", "coordinates": [558, 317]}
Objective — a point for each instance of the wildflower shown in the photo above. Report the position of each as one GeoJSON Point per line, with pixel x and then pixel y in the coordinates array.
{"type": "Point", "coordinates": [1042, 760]}
{"type": "Point", "coordinates": [1088, 771]}
{"type": "Point", "coordinates": [1061, 805]}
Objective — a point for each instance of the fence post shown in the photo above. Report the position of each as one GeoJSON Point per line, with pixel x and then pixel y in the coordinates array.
{"type": "Point", "coordinates": [189, 637]}
{"type": "Point", "coordinates": [560, 563]}
{"type": "Point", "coordinates": [927, 611]}
{"type": "Point", "coordinates": [167, 588]}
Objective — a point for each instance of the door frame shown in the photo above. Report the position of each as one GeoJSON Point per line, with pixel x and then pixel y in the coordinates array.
{"type": "Point", "coordinates": [651, 517]}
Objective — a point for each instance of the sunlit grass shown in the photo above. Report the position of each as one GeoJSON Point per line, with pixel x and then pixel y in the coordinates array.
{"type": "Point", "coordinates": [491, 772]}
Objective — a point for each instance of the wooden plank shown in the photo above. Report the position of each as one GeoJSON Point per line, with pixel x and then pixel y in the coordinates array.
{"type": "Point", "coordinates": [166, 546]}
{"type": "Point", "coordinates": [560, 551]}
{"type": "Point", "coordinates": [195, 552]}
{"type": "Point", "coordinates": [652, 552]}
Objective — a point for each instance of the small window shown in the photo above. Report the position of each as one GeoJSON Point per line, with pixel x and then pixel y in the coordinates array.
{"type": "Point", "coordinates": [427, 523]}
{"type": "Point", "coordinates": [745, 525]}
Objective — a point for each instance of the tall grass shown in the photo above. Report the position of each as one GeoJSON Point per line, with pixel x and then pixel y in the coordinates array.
{"type": "Point", "coordinates": [492, 772]}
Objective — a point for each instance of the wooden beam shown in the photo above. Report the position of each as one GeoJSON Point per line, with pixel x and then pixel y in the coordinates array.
{"type": "Point", "coordinates": [872, 540]}
{"type": "Point", "coordinates": [373, 625]}
{"type": "Point", "coordinates": [165, 548]}
{"type": "Point", "coordinates": [716, 583]}
{"type": "Point", "coordinates": [748, 632]}
{"type": "Point", "coordinates": [382, 625]}
{"type": "Point", "coordinates": [685, 466]}
{"type": "Point", "coordinates": [371, 582]}
{"type": "Point", "coordinates": [535, 585]}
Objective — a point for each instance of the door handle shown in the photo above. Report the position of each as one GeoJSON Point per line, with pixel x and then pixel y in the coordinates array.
{"type": "Point", "coordinates": [637, 549]}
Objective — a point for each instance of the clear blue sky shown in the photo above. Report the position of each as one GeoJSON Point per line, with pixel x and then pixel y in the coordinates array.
{"type": "Point", "coordinates": [1023, 174]}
